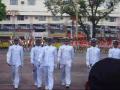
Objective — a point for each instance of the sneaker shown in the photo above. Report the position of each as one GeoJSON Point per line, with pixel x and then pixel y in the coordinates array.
{"type": "Point", "coordinates": [39, 88]}
{"type": "Point", "coordinates": [67, 86]}
{"type": "Point", "coordinates": [15, 88]}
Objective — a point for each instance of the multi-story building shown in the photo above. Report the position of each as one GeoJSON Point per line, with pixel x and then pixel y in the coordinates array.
{"type": "Point", "coordinates": [30, 18]}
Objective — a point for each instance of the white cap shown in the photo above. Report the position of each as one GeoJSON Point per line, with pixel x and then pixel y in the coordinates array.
{"type": "Point", "coordinates": [93, 40]}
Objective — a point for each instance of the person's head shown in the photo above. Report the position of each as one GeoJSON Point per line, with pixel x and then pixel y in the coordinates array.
{"type": "Point", "coordinates": [66, 42]}
{"type": "Point", "coordinates": [38, 42]}
{"type": "Point", "coordinates": [105, 75]}
{"type": "Point", "coordinates": [50, 41]}
{"type": "Point", "coordinates": [93, 42]}
{"type": "Point", "coordinates": [115, 43]}
{"type": "Point", "coordinates": [16, 41]}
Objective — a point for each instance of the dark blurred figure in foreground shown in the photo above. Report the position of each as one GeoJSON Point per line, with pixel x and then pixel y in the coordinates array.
{"type": "Point", "coordinates": [104, 75]}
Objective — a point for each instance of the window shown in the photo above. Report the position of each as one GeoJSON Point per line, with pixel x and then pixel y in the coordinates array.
{"type": "Point", "coordinates": [22, 2]}
{"type": "Point", "coordinates": [25, 17]}
{"type": "Point", "coordinates": [42, 18]}
{"type": "Point", "coordinates": [13, 2]}
{"type": "Point", "coordinates": [23, 26]}
{"type": "Point", "coordinates": [112, 19]}
{"type": "Point", "coordinates": [66, 1]}
{"type": "Point", "coordinates": [8, 17]}
{"type": "Point", "coordinates": [8, 26]}
{"type": "Point", "coordinates": [56, 18]}
{"type": "Point", "coordinates": [31, 2]}
{"type": "Point", "coordinates": [20, 18]}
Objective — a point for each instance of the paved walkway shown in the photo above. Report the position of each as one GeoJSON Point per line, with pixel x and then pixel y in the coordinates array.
{"type": "Point", "coordinates": [79, 74]}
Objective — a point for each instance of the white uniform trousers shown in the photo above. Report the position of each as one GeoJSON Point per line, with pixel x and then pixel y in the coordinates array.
{"type": "Point", "coordinates": [37, 75]}
{"type": "Point", "coordinates": [65, 74]}
{"type": "Point", "coordinates": [48, 73]}
{"type": "Point", "coordinates": [16, 75]}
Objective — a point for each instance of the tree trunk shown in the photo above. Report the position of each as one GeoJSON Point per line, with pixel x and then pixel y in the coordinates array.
{"type": "Point", "coordinates": [93, 30]}
{"type": "Point", "coordinates": [85, 31]}
{"type": "Point", "coordinates": [88, 37]}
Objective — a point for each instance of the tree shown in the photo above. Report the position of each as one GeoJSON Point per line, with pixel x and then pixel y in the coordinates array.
{"type": "Point", "coordinates": [92, 10]}
{"type": "Point", "coordinates": [2, 11]}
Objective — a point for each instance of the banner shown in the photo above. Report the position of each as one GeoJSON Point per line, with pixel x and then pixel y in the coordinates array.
{"type": "Point", "coordinates": [58, 35]}
{"type": "Point", "coordinates": [40, 34]}
{"type": "Point", "coordinates": [6, 33]}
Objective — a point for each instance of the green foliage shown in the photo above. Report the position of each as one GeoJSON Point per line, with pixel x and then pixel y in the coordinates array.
{"type": "Point", "coordinates": [2, 11]}
{"type": "Point", "coordinates": [94, 10]}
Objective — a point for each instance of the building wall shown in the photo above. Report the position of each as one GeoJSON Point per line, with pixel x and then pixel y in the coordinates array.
{"type": "Point", "coordinates": [32, 13]}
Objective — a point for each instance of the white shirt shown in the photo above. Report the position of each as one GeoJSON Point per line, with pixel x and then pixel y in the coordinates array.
{"type": "Point", "coordinates": [37, 54]}
{"type": "Point", "coordinates": [114, 53]}
{"type": "Point", "coordinates": [66, 54]}
{"type": "Point", "coordinates": [15, 55]}
{"type": "Point", "coordinates": [92, 55]}
{"type": "Point", "coordinates": [50, 55]}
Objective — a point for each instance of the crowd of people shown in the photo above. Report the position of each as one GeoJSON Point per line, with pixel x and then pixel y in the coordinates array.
{"type": "Point", "coordinates": [45, 57]}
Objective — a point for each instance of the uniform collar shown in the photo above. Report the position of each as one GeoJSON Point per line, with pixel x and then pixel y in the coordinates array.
{"type": "Point", "coordinates": [115, 48]}
{"type": "Point", "coordinates": [93, 47]}
{"type": "Point", "coordinates": [37, 46]}
{"type": "Point", "coordinates": [49, 45]}
{"type": "Point", "coordinates": [66, 45]}
{"type": "Point", "coordinates": [16, 45]}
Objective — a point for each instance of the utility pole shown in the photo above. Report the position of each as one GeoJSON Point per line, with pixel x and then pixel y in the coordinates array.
{"type": "Point", "coordinates": [76, 15]}
{"type": "Point", "coordinates": [77, 20]}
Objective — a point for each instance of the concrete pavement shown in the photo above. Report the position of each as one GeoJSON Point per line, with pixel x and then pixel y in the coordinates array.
{"type": "Point", "coordinates": [79, 74]}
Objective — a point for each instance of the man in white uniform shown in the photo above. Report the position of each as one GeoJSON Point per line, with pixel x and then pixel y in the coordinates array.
{"type": "Point", "coordinates": [15, 60]}
{"type": "Point", "coordinates": [36, 59]}
{"type": "Point", "coordinates": [50, 58]}
{"type": "Point", "coordinates": [92, 54]}
{"type": "Point", "coordinates": [115, 51]}
{"type": "Point", "coordinates": [65, 57]}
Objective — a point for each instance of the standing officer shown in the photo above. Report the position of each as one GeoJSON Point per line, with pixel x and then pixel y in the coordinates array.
{"type": "Point", "coordinates": [15, 60]}
{"type": "Point", "coordinates": [50, 57]}
{"type": "Point", "coordinates": [115, 51]}
{"type": "Point", "coordinates": [92, 54]}
{"type": "Point", "coordinates": [36, 59]}
{"type": "Point", "coordinates": [65, 57]}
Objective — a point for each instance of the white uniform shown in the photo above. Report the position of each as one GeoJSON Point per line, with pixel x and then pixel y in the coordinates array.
{"type": "Point", "coordinates": [36, 59]}
{"type": "Point", "coordinates": [114, 53]}
{"type": "Point", "coordinates": [15, 59]}
{"type": "Point", "coordinates": [50, 58]}
{"type": "Point", "coordinates": [65, 57]}
{"type": "Point", "coordinates": [92, 56]}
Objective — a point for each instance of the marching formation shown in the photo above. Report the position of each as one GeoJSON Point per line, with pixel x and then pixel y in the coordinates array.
{"type": "Point", "coordinates": [45, 58]}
